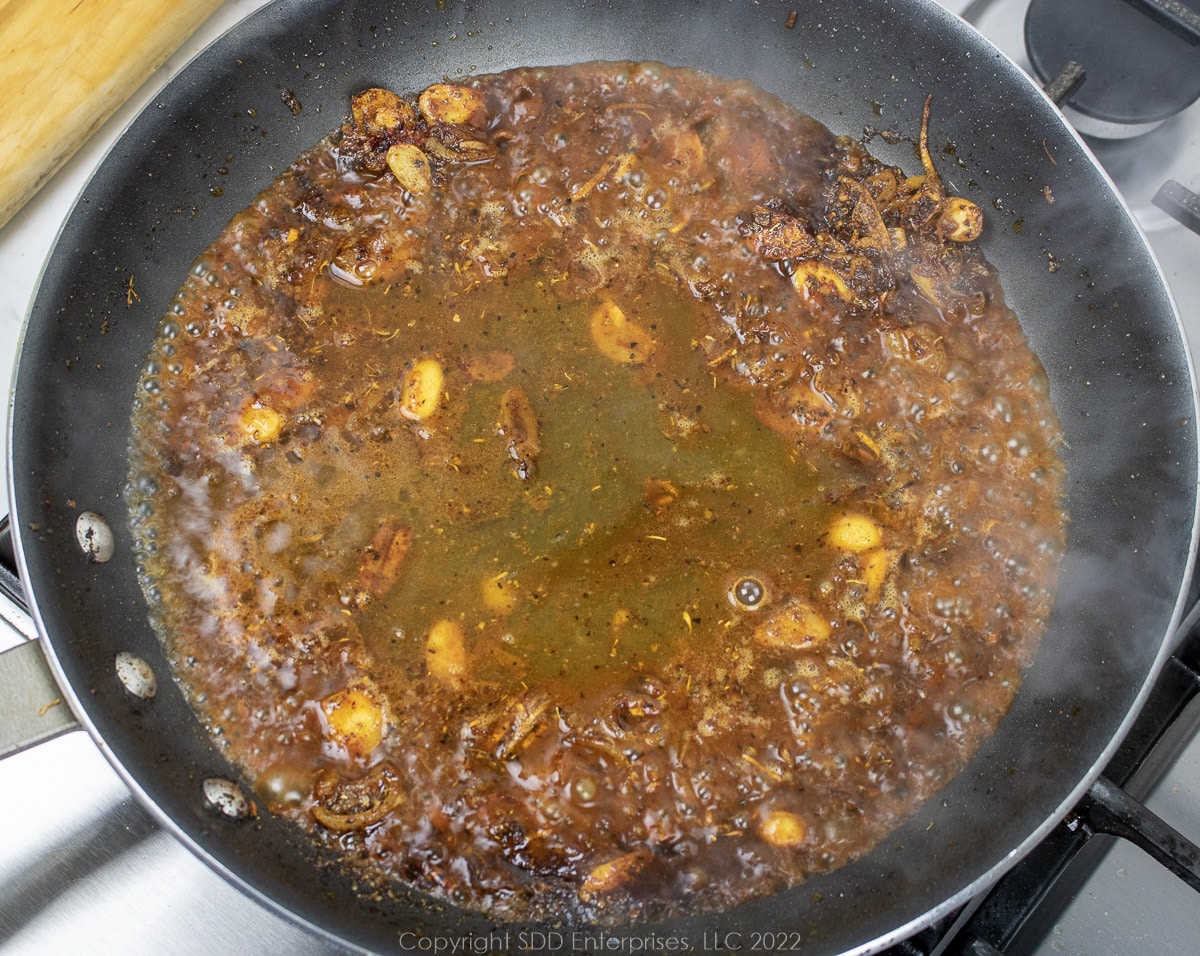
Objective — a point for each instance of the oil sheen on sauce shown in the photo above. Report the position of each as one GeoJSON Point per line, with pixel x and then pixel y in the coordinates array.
{"type": "Point", "coordinates": [596, 493]}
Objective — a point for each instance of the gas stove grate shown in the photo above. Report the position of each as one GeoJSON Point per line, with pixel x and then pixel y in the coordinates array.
{"type": "Point", "coordinates": [1022, 907]}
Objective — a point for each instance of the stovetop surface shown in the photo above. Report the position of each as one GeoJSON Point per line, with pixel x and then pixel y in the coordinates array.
{"type": "Point", "coordinates": [84, 869]}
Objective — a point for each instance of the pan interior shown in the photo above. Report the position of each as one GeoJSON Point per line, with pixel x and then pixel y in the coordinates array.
{"type": "Point", "coordinates": [672, 581]}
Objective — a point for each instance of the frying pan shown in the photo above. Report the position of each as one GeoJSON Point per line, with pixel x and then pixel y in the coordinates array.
{"type": "Point", "coordinates": [1077, 271]}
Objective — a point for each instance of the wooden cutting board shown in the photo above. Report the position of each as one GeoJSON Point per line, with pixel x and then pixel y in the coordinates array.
{"type": "Point", "coordinates": [65, 66]}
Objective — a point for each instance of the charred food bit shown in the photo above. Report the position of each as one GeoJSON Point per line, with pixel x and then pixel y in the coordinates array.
{"type": "Point", "coordinates": [776, 235]}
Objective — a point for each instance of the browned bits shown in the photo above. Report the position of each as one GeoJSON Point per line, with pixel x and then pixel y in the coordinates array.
{"type": "Point", "coordinates": [884, 186]}
{"type": "Point", "coordinates": [777, 235]}
{"type": "Point", "coordinates": [291, 101]}
{"type": "Point", "coordinates": [812, 277]}
{"type": "Point", "coordinates": [346, 822]}
{"type": "Point", "coordinates": [343, 805]}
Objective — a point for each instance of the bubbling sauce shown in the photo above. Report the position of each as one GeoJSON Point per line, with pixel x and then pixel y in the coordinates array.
{"type": "Point", "coordinates": [596, 493]}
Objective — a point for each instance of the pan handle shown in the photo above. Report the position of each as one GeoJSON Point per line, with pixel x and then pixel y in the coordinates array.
{"type": "Point", "coordinates": [1108, 809]}
{"type": "Point", "coordinates": [32, 708]}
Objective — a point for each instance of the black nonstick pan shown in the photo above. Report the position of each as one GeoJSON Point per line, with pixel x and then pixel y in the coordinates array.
{"type": "Point", "coordinates": [1077, 272]}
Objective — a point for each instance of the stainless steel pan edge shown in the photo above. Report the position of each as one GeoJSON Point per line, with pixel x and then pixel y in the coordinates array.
{"type": "Point", "coordinates": [28, 509]}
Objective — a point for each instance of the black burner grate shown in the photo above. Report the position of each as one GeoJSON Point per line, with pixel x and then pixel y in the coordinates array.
{"type": "Point", "coordinates": [1023, 906]}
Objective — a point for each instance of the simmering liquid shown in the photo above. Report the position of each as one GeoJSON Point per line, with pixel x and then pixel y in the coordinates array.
{"type": "Point", "coordinates": [596, 493]}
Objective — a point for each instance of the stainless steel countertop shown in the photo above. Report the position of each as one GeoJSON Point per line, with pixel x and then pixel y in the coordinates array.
{"type": "Point", "coordinates": [83, 867]}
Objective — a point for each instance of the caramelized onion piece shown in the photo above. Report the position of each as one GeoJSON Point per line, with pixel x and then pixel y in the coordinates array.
{"type": "Point", "coordinates": [383, 558]}
{"type": "Point", "coordinates": [345, 822]}
{"type": "Point", "coordinates": [342, 805]}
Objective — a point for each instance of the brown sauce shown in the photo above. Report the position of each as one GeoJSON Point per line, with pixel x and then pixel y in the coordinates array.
{"type": "Point", "coordinates": [596, 492]}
